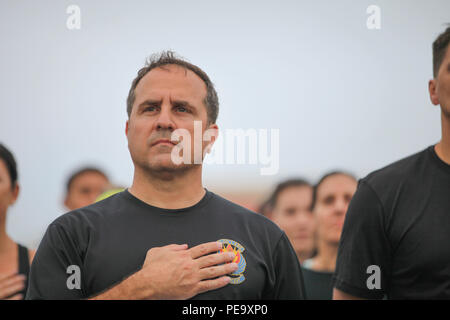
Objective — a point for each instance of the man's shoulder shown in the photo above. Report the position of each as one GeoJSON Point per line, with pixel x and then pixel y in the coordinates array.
{"type": "Point", "coordinates": [92, 213]}
{"type": "Point", "coordinates": [236, 211]}
{"type": "Point", "coordinates": [398, 173]}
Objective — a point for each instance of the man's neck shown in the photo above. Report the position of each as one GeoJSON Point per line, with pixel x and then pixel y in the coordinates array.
{"type": "Point", "coordinates": [173, 191]}
{"type": "Point", "coordinates": [443, 147]}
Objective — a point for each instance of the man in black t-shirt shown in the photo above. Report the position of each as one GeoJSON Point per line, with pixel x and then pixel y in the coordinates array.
{"type": "Point", "coordinates": [110, 240]}
{"type": "Point", "coordinates": [396, 237]}
{"type": "Point", "coordinates": [166, 237]}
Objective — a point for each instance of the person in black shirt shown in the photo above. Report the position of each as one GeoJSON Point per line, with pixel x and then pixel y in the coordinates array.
{"type": "Point", "coordinates": [14, 258]}
{"type": "Point", "coordinates": [109, 241]}
{"type": "Point", "coordinates": [166, 237]}
{"type": "Point", "coordinates": [396, 238]}
{"type": "Point", "coordinates": [330, 200]}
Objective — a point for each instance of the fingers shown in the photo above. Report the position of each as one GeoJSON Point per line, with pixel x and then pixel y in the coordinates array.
{"type": "Point", "coordinates": [12, 280]}
{"type": "Point", "coordinates": [214, 259]}
{"type": "Point", "coordinates": [207, 285]}
{"type": "Point", "coordinates": [11, 285]}
{"type": "Point", "coordinates": [205, 248]}
{"type": "Point", "coordinates": [177, 247]}
{"type": "Point", "coordinates": [4, 276]}
{"type": "Point", "coordinates": [16, 297]}
{"type": "Point", "coordinates": [6, 292]}
{"type": "Point", "coordinates": [170, 247]}
{"type": "Point", "coordinates": [217, 271]}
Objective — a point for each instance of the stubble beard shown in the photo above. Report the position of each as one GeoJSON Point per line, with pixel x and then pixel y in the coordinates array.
{"type": "Point", "coordinates": [164, 169]}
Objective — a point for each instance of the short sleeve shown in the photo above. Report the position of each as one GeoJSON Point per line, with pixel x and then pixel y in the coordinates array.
{"type": "Point", "coordinates": [364, 254]}
{"type": "Point", "coordinates": [56, 271]}
{"type": "Point", "coordinates": [288, 274]}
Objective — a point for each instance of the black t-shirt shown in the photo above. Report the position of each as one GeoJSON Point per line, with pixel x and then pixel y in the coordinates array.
{"type": "Point", "coordinates": [396, 235]}
{"type": "Point", "coordinates": [318, 284]}
{"type": "Point", "coordinates": [109, 240]}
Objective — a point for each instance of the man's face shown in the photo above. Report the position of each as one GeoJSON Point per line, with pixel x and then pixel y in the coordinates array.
{"type": "Point", "coordinates": [440, 86]}
{"type": "Point", "coordinates": [293, 215]}
{"type": "Point", "coordinates": [166, 99]}
{"type": "Point", "coordinates": [333, 197]}
{"type": "Point", "coordinates": [84, 189]}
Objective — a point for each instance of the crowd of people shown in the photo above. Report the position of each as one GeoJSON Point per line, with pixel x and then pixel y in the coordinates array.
{"type": "Point", "coordinates": [167, 237]}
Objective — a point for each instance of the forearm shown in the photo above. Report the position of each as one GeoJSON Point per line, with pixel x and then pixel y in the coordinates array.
{"type": "Point", "coordinates": [340, 295]}
{"type": "Point", "coordinates": [129, 289]}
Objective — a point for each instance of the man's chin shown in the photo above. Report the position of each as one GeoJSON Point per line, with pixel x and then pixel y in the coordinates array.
{"type": "Point", "coordinates": [165, 165]}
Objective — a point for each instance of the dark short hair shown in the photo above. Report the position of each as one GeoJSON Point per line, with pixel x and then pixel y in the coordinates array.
{"type": "Point", "coordinates": [81, 171]}
{"type": "Point", "coordinates": [167, 58]}
{"type": "Point", "coordinates": [10, 163]}
{"type": "Point", "coordinates": [296, 182]}
{"type": "Point", "coordinates": [440, 46]}
{"type": "Point", "coordinates": [326, 176]}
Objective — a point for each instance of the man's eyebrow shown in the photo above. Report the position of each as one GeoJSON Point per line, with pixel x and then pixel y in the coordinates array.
{"type": "Point", "coordinates": [149, 102]}
{"type": "Point", "coordinates": [182, 102]}
{"type": "Point", "coordinates": [153, 102]}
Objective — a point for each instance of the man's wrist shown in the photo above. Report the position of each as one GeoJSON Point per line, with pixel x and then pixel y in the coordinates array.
{"type": "Point", "coordinates": [137, 287]}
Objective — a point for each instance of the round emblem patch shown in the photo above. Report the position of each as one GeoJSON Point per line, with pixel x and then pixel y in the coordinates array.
{"type": "Point", "coordinates": [235, 247]}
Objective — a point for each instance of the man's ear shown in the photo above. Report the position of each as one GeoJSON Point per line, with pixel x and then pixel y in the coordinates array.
{"type": "Point", "coordinates": [15, 192]}
{"type": "Point", "coordinates": [126, 127]}
{"type": "Point", "coordinates": [213, 132]}
{"type": "Point", "coordinates": [432, 89]}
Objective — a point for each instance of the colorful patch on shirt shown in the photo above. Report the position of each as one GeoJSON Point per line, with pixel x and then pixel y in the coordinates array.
{"type": "Point", "coordinates": [235, 247]}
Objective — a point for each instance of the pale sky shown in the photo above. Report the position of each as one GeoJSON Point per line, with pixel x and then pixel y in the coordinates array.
{"type": "Point", "coordinates": [341, 95]}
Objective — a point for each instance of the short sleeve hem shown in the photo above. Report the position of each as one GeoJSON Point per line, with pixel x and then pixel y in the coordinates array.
{"type": "Point", "coordinates": [357, 292]}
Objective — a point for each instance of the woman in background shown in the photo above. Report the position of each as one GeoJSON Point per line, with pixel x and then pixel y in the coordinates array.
{"type": "Point", "coordinates": [331, 197]}
{"type": "Point", "coordinates": [15, 259]}
{"type": "Point", "coordinates": [290, 209]}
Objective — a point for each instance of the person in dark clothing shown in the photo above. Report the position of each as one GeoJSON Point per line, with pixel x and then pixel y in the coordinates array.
{"type": "Point", "coordinates": [14, 258]}
{"type": "Point", "coordinates": [166, 237]}
{"type": "Point", "coordinates": [396, 237]}
{"type": "Point", "coordinates": [331, 197]}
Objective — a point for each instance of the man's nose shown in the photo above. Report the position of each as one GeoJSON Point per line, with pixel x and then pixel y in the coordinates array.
{"type": "Point", "coordinates": [164, 120]}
